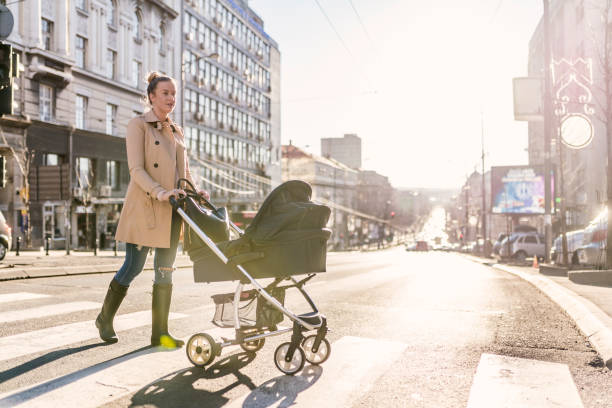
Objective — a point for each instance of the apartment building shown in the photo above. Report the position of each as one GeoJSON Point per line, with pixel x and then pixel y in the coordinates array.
{"type": "Point", "coordinates": [231, 107]}
{"type": "Point", "coordinates": [85, 62]}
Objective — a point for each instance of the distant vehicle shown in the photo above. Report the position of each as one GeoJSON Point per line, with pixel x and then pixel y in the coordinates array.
{"type": "Point", "coordinates": [422, 246]}
{"type": "Point", "coordinates": [522, 245]}
{"type": "Point", "coordinates": [411, 247]}
{"type": "Point", "coordinates": [497, 244]}
{"type": "Point", "coordinates": [5, 237]}
{"type": "Point", "coordinates": [574, 241]}
{"type": "Point", "coordinates": [593, 249]}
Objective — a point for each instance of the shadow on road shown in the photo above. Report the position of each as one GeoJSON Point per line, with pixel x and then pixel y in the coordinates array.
{"type": "Point", "coordinates": [42, 360]}
{"type": "Point", "coordinates": [181, 389]}
{"type": "Point", "coordinates": [283, 390]}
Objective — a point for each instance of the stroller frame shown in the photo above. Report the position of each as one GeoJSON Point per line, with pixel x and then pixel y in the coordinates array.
{"type": "Point", "coordinates": [288, 357]}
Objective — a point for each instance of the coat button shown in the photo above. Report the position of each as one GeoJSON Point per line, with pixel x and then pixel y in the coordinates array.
{"type": "Point", "coordinates": [155, 165]}
{"type": "Point", "coordinates": [157, 142]}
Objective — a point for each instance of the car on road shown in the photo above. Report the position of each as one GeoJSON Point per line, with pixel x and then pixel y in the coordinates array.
{"type": "Point", "coordinates": [592, 252]}
{"type": "Point", "coordinates": [497, 244]}
{"type": "Point", "coordinates": [5, 237]}
{"type": "Point", "coordinates": [422, 246]}
{"type": "Point", "coordinates": [574, 241]}
{"type": "Point", "coordinates": [522, 245]}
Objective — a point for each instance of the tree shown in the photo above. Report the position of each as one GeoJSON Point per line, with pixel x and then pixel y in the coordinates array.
{"type": "Point", "coordinates": [23, 157]}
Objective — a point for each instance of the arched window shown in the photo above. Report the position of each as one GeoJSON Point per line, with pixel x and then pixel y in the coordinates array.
{"type": "Point", "coordinates": [111, 15]}
{"type": "Point", "coordinates": [162, 37]}
{"type": "Point", "coordinates": [138, 26]}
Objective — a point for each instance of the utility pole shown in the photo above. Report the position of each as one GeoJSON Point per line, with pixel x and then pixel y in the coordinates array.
{"type": "Point", "coordinates": [485, 249]}
{"type": "Point", "coordinates": [547, 127]}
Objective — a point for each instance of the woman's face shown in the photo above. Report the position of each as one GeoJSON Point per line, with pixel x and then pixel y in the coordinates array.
{"type": "Point", "coordinates": [163, 98]}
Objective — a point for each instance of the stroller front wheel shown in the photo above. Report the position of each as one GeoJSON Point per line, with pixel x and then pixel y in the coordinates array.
{"type": "Point", "coordinates": [292, 366]}
{"type": "Point", "coordinates": [201, 349]}
{"type": "Point", "coordinates": [318, 356]}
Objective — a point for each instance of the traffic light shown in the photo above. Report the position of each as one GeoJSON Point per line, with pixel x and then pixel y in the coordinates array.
{"type": "Point", "coordinates": [3, 175]}
{"type": "Point", "coordinates": [392, 214]}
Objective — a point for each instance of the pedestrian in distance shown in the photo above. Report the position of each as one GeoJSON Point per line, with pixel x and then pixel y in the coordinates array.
{"type": "Point", "coordinates": [157, 158]}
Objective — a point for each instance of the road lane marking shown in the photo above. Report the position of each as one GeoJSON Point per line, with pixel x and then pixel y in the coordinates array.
{"type": "Point", "coordinates": [46, 339]}
{"type": "Point", "coordinates": [353, 367]}
{"type": "Point", "coordinates": [509, 382]}
{"type": "Point", "coordinates": [20, 296]}
{"type": "Point", "coordinates": [48, 310]}
{"type": "Point", "coordinates": [103, 383]}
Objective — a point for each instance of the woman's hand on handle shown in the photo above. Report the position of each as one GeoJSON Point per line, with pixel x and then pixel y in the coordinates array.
{"type": "Point", "coordinates": [176, 193]}
{"type": "Point", "coordinates": [204, 194]}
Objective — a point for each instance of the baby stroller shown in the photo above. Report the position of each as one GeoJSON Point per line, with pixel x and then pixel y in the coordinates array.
{"type": "Point", "coordinates": [286, 237]}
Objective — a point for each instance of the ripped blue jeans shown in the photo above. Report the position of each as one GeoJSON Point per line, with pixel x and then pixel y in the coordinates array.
{"type": "Point", "coordinates": [163, 263]}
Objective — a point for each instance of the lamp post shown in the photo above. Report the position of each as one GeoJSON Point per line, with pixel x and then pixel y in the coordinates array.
{"type": "Point", "coordinates": [547, 138]}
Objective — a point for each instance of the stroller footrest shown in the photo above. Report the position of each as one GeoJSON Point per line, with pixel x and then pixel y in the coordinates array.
{"type": "Point", "coordinates": [312, 318]}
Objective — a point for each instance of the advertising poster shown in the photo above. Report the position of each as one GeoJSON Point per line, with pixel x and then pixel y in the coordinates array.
{"type": "Point", "coordinates": [518, 190]}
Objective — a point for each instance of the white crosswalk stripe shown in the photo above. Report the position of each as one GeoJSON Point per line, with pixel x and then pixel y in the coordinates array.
{"type": "Point", "coordinates": [20, 296]}
{"type": "Point", "coordinates": [48, 310]}
{"type": "Point", "coordinates": [63, 335]}
{"type": "Point", "coordinates": [351, 368]}
{"type": "Point", "coordinates": [510, 382]}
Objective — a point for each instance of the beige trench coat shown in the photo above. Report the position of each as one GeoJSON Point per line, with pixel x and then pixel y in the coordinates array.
{"type": "Point", "coordinates": [154, 153]}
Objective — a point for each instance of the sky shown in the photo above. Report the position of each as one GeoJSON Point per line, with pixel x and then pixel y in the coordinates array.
{"type": "Point", "coordinates": [418, 81]}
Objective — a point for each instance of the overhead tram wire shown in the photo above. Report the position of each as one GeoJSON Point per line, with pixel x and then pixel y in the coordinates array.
{"type": "Point", "coordinates": [225, 166]}
{"type": "Point", "coordinates": [341, 39]}
{"type": "Point", "coordinates": [229, 190]}
{"type": "Point", "coordinates": [224, 174]}
{"type": "Point", "coordinates": [361, 22]}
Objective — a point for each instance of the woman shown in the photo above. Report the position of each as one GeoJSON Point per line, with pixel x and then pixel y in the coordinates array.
{"type": "Point", "coordinates": [156, 159]}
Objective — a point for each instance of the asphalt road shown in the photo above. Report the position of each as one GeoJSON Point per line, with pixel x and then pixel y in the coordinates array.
{"type": "Point", "coordinates": [408, 330]}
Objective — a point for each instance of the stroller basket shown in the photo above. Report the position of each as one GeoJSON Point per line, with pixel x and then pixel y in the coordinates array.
{"type": "Point", "coordinates": [253, 309]}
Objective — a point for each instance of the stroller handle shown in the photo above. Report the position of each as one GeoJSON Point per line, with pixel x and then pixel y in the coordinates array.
{"type": "Point", "coordinates": [191, 191]}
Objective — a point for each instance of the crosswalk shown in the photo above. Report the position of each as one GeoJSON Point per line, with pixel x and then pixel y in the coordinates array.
{"type": "Point", "coordinates": [350, 372]}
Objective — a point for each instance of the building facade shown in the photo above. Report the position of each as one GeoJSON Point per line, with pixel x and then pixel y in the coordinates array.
{"type": "Point", "coordinates": [346, 149]}
{"type": "Point", "coordinates": [231, 107]}
{"type": "Point", "coordinates": [85, 64]}
{"type": "Point", "coordinates": [577, 31]}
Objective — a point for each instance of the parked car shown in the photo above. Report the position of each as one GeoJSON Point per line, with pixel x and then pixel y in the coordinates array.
{"type": "Point", "coordinates": [5, 237]}
{"type": "Point", "coordinates": [497, 244]}
{"type": "Point", "coordinates": [593, 249]}
{"type": "Point", "coordinates": [422, 246]}
{"type": "Point", "coordinates": [574, 241]}
{"type": "Point", "coordinates": [522, 245]}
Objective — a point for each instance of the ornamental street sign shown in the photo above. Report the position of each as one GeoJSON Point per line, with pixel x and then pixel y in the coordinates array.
{"type": "Point", "coordinates": [6, 22]}
{"type": "Point", "coordinates": [576, 131]}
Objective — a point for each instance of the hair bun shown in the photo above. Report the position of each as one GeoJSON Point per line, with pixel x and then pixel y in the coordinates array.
{"type": "Point", "coordinates": [152, 76]}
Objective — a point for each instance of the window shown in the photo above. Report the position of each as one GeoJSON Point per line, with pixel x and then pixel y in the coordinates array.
{"type": "Point", "coordinates": [162, 38]}
{"type": "Point", "coordinates": [80, 111]}
{"type": "Point", "coordinates": [136, 73]}
{"type": "Point", "coordinates": [47, 34]}
{"type": "Point", "coordinates": [46, 102]}
{"type": "Point", "coordinates": [50, 159]}
{"type": "Point", "coordinates": [111, 119]}
{"type": "Point", "coordinates": [81, 51]}
{"type": "Point", "coordinates": [111, 67]}
{"type": "Point", "coordinates": [112, 174]}
{"type": "Point", "coordinates": [138, 27]}
{"type": "Point", "coordinates": [84, 172]}
{"type": "Point", "coordinates": [531, 240]}
{"type": "Point", "coordinates": [111, 14]}
{"type": "Point", "coordinates": [81, 4]}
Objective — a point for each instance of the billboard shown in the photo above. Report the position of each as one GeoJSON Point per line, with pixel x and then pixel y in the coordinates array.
{"type": "Point", "coordinates": [527, 94]}
{"type": "Point", "coordinates": [518, 190]}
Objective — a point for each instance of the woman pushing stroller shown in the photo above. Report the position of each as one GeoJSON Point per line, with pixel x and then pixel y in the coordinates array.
{"type": "Point", "coordinates": [157, 158]}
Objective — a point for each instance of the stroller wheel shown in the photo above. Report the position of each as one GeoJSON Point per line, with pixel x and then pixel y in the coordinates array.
{"type": "Point", "coordinates": [320, 355]}
{"type": "Point", "coordinates": [253, 346]}
{"type": "Point", "coordinates": [201, 349]}
{"type": "Point", "coordinates": [289, 367]}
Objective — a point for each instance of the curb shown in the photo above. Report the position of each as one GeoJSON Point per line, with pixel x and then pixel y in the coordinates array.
{"type": "Point", "coordinates": [553, 270]}
{"type": "Point", "coordinates": [591, 320]}
{"type": "Point", "coordinates": [51, 271]}
{"type": "Point", "coordinates": [591, 277]}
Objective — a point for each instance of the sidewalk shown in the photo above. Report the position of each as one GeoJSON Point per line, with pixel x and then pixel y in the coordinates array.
{"type": "Point", "coordinates": [35, 264]}
{"type": "Point", "coordinates": [589, 305]}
